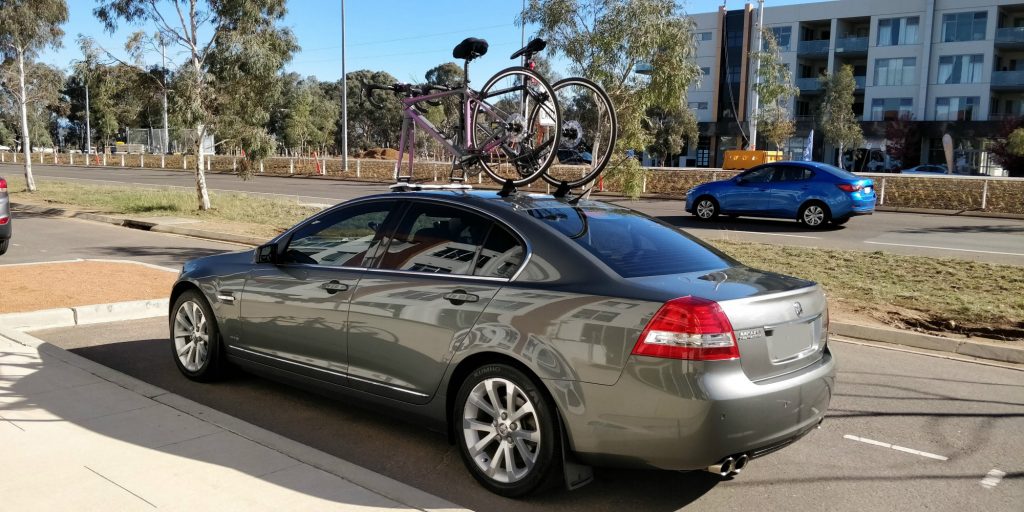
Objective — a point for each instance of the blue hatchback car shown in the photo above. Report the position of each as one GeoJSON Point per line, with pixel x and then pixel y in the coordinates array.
{"type": "Point", "coordinates": [811, 192]}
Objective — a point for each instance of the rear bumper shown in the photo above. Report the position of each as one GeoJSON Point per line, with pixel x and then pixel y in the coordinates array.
{"type": "Point", "coordinates": [6, 230]}
{"type": "Point", "coordinates": [683, 416]}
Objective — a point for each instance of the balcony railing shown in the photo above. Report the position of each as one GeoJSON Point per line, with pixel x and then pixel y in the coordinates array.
{"type": "Point", "coordinates": [1008, 79]}
{"type": "Point", "coordinates": [1010, 35]}
{"type": "Point", "coordinates": [819, 47]}
{"type": "Point", "coordinates": [808, 84]}
{"type": "Point", "coordinates": [848, 45]}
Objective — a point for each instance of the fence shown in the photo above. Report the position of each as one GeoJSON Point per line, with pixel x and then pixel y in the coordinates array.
{"type": "Point", "coordinates": [979, 193]}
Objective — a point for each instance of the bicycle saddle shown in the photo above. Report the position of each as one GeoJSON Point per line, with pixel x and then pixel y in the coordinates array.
{"type": "Point", "coordinates": [534, 46]}
{"type": "Point", "coordinates": [470, 48]}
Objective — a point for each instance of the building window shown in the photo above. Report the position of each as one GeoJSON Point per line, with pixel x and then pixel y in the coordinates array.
{"type": "Point", "coordinates": [897, 31]}
{"type": "Point", "coordinates": [960, 69]}
{"type": "Point", "coordinates": [783, 35]}
{"type": "Point", "coordinates": [703, 36]}
{"type": "Point", "coordinates": [890, 109]}
{"type": "Point", "coordinates": [896, 71]}
{"type": "Point", "coordinates": [698, 105]}
{"type": "Point", "coordinates": [733, 74]}
{"type": "Point", "coordinates": [964, 26]}
{"type": "Point", "coordinates": [705, 71]}
{"type": "Point", "coordinates": [956, 108]}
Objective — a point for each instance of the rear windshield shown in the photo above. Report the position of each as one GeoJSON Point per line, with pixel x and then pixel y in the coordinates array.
{"type": "Point", "coordinates": [632, 244]}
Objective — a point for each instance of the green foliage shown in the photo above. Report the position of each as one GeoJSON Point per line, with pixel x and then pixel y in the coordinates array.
{"type": "Point", "coordinates": [371, 126]}
{"type": "Point", "coordinates": [775, 90]}
{"type": "Point", "coordinates": [838, 122]}
{"type": "Point", "coordinates": [605, 40]}
{"type": "Point", "coordinates": [671, 131]}
{"type": "Point", "coordinates": [27, 26]}
{"type": "Point", "coordinates": [309, 120]}
{"type": "Point", "coordinates": [448, 74]}
{"type": "Point", "coordinates": [1015, 142]}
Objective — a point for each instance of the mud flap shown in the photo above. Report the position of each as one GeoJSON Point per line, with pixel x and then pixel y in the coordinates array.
{"type": "Point", "coordinates": [575, 474]}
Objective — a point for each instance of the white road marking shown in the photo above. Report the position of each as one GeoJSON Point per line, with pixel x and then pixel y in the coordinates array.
{"type": "Point", "coordinates": [895, 447]}
{"type": "Point", "coordinates": [768, 234]}
{"type": "Point", "coordinates": [948, 248]}
{"type": "Point", "coordinates": [992, 479]}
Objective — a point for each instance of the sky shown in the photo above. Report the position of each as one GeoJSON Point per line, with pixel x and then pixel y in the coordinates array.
{"type": "Point", "coordinates": [403, 37]}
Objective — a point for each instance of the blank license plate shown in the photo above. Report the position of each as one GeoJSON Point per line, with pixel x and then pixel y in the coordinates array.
{"type": "Point", "coordinates": [867, 190]}
{"type": "Point", "coordinates": [789, 340]}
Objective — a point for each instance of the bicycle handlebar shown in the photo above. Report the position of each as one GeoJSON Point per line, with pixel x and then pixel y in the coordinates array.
{"type": "Point", "coordinates": [404, 90]}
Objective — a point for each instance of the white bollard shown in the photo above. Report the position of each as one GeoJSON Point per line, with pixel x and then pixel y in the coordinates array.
{"type": "Point", "coordinates": [104, 159]}
{"type": "Point", "coordinates": [3, 157]}
{"type": "Point", "coordinates": [54, 158]}
{"type": "Point", "coordinates": [291, 166]}
{"type": "Point", "coordinates": [71, 157]}
{"type": "Point", "coordinates": [234, 164]}
{"type": "Point", "coordinates": [209, 163]}
{"type": "Point", "coordinates": [358, 167]}
{"type": "Point", "coordinates": [183, 164]}
{"type": "Point", "coordinates": [142, 160]}
{"type": "Point", "coordinates": [122, 159]}
{"type": "Point", "coordinates": [162, 161]}
{"type": "Point", "coordinates": [261, 166]}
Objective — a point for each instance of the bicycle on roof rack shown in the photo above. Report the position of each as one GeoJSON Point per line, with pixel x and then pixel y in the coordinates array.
{"type": "Point", "coordinates": [589, 127]}
{"type": "Point", "coordinates": [507, 129]}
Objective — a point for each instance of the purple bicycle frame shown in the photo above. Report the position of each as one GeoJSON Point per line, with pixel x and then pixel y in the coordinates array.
{"type": "Point", "coordinates": [411, 116]}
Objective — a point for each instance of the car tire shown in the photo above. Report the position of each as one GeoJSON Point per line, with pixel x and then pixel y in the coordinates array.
{"type": "Point", "coordinates": [511, 453]}
{"type": "Point", "coordinates": [3, 246]}
{"type": "Point", "coordinates": [195, 338]}
{"type": "Point", "coordinates": [705, 208]}
{"type": "Point", "coordinates": [814, 215]}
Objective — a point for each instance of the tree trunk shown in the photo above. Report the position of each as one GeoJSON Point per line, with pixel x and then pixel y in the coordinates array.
{"type": "Point", "coordinates": [839, 158]}
{"type": "Point", "coordinates": [26, 143]}
{"type": "Point", "coordinates": [202, 194]}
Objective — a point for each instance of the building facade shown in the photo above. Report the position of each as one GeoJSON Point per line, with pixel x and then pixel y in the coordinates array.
{"type": "Point", "coordinates": [923, 69]}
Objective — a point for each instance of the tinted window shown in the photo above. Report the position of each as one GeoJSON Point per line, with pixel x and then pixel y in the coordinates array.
{"type": "Point", "coordinates": [785, 174]}
{"type": "Point", "coordinates": [632, 244]}
{"type": "Point", "coordinates": [761, 175]}
{"type": "Point", "coordinates": [501, 254]}
{"type": "Point", "coordinates": [436, 239]}
{"type": "Point", "coordinates": [341, 238]}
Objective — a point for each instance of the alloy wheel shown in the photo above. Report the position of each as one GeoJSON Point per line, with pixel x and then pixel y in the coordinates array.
{"type": "Point", "coordinates": [814, 215]}
{"type": "Point", "coordinates": [501, 430]}
{"type": "Point", "coordinates": [705, 209]}
{"type": "Point", "coordinates": [191, 336]}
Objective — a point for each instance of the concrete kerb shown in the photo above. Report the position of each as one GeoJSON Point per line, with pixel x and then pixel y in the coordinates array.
{"type": "Point", "coordinates": [980, 349]}
{"type": "Point", "coordinates": [83, 315]}
{"type": "Point", "coordinates": [362, 477]}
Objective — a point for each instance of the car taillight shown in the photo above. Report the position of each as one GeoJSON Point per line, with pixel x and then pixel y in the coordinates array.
{"type": "Point", "coordinates": [4, 219]}
{"type": "Point", "coordinates": [688, 328]}
{"type": "Point", "coordinates": [846, 187]}
{"type": "Point", "coordinates": [3, 185]}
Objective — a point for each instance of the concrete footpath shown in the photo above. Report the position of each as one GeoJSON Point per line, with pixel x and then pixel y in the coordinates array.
{"type": "Point", "coordinates": [77, 435]}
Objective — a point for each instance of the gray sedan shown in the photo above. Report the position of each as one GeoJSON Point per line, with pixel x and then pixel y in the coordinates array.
{"type": "Point", "coordinates": [543, 335]}
{"type": "Point", "coordinates": [6, 225]}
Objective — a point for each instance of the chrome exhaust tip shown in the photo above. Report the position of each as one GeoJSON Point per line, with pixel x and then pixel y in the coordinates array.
{"type": "Point", "coordinates": [741, 462]}
{"type": "Point", "coordinates": [723, 468]}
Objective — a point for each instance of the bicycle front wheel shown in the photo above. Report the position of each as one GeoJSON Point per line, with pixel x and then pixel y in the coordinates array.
{"type": "Point", "coordinates": [515, 126]}
{"type": "Point", "coordinates": [589, 130]}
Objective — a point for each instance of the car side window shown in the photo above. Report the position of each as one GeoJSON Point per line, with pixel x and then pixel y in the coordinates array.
{"type": "Point", "coordinates": [501, 255]}
{"type": "Point", "coordinates": [344, 238]}
{"type": "Point", "coordinates": [436, 239]}
{"type": "Point", "coordinates": [791, 174]}
{"type": "Point", "coordinates": [762, 175]}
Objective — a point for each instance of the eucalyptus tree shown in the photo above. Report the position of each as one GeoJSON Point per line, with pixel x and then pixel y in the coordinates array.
{"type": "Point", "coordinates": [233, 51]}
{"type": "Point", "coordinates": [26, 27]}
{"type": "Point", "coordinates": [605, 40]}
{"type": "Point", "coordinates": [835, 114]}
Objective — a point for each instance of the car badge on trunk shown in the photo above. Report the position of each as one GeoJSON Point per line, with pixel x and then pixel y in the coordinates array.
{"type": "Point", "coordinates": [799, 308]}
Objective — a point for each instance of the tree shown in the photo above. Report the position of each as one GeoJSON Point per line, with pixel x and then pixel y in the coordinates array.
{"type": "Point", "coordinates": [670, 131]}
{"type": "Point", "coordinates": [310, 117]}
{"type": "Point", "coordinates": [605, 40]}
{"type": "Point", "coordinates": [836, 118]}
{"type": "Point", "coordinates": [27, 26]}
{"type": "Point", "coordinates": [1007, 149]}
{"type": "Point", "coordinates": [369, 125]}
{"type": "Point", "coordinates": [448, 74]}
{"type": "Point", "coordinates": [234, 50]}
{"type": "Point", "coordinates": [775, 90]}
{"type": "Point", "coordinates": [903, 140]}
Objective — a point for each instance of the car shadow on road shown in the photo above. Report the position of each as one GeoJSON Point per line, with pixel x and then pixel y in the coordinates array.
{"type": "Point", "coordinates": [177, 255]}
{"type": "Point", "coordinates": [397, 449]}
{"type": "Point", "coordinates": [745, 224]}
{"type": "Point", "coordinates": [957, 230]}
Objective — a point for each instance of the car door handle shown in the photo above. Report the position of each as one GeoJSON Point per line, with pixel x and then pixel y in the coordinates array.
{"type": "Point", "coordinates": [333, 287]}
{"type": "Point", "coordinates": [460, 297]}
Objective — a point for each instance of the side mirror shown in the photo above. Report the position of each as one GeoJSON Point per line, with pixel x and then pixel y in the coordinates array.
{"type": "Point", "coordinates": [266, 253]}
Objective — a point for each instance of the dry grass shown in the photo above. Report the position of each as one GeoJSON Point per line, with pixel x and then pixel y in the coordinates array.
{"type": "Point", "coordinates": [931, 293]}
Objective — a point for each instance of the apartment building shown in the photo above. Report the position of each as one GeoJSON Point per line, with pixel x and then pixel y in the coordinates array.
{"type": "Point", "coordinates": [942, 66]}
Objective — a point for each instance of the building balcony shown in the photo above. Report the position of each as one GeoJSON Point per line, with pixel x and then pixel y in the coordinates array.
{"type": "Point", "coordinates": [1010, 37]}
{"type": "Point", "coordinates": [852, 46]}
{"type": "Point", "coordinates": [858, 82]}
{"type": "Point", "coordinates": [808, 85]}
{"type": "Point", "coordinates": [1008, 80]}
{"type": "Point", "coordinates": [819, 47]}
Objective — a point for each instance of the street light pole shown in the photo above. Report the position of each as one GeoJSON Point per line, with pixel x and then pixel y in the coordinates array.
{"type": "Point", "coordinates": [757, 76]}
{"type": "Point", "coordinates": [88, 128]}
{"type": "Point", "coordinates": [344, 97]}
{"type": "Point", "coordinates": [163, 74]}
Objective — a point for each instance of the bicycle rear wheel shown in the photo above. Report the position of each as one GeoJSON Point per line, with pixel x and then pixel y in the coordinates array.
{"type": "Point", "coordinates": [515, 123]}
{"type": "Point", "coordinates": [589, 130]}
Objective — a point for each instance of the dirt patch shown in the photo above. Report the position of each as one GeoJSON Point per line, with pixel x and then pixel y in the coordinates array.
{"type": "Point", "coordinates": [60, 285]}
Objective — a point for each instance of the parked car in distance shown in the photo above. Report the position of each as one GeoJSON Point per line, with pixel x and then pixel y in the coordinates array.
{"type": "Point", "coordinates": [6, 227]}
{"type": "Point", "coordinates": [567, 156]}
{"type": "Point", "coordinates": [813, 193]}
{"type": "Point", "coordinates": [926, 169]}
{"type": "Point", "coordinates": [530, 329]}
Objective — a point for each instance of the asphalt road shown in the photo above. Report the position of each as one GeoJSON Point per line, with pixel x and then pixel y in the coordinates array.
{"type": "Point", "coordinates": [969, 413]}
{"type": "Point", "coordinates": [972, 238]}
{"type": "Point", "coordinates": [39, 237]}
